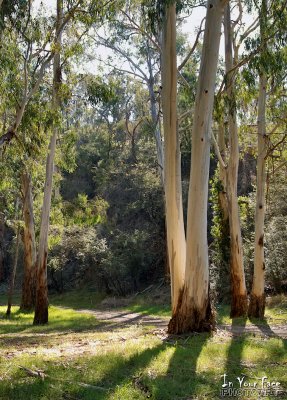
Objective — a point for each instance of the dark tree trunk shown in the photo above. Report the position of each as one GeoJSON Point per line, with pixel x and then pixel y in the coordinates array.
{"type": "Point", "coordinates": [13, 275]}
{"type": "Point", "coordinates": [2, 229]}
{"type": "Point", "coordinates": [41, 307]}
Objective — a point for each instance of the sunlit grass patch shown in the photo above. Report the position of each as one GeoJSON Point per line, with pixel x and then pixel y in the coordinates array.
{"type": "Point", "coordinates": [85, 359]}
{"type": "Point", "coordinates": [60, 319]}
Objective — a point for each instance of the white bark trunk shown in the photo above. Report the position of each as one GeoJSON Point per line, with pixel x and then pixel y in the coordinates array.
{"type": "Point", "coordinates": [257, 298]}
{"type": "Point", "coordinates": [257, 303]}
{"type": "Point", "coordinates": [155, 118]}
{"type": "Point", "coordinates": [41, 308]}
{"type": "Point", "coordinates": [238, 286]}
{"type": "Point", "coordinates": [194, 311]}
{"type": "Point", "coordinates": [157, 135]}
{"type": "Point", "coordinates": [173, 190]}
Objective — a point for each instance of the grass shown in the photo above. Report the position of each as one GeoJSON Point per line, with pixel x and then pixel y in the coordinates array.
{"type": "Point", "coordinates": [77, 299]}
{"type": "Point", "coordinates": [275, 313]}
{"type": "Point", "coordinates": [127, 363]}
{"type": "Point", "coordinates": [156, 310]}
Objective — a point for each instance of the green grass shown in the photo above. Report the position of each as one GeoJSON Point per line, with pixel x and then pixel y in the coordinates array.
{"type": "Point", "coordinates": [129, 362]}
{"type": "Point", "coordinates": [275, 313]}
{"type": "Point", "coordinates": [156, 310]}
{"type": "Point", "coordinates": [77, 299]}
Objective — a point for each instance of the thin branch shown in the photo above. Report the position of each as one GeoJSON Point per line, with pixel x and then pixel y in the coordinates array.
{"type": "Point", "coordinates": [105, 43]}
{"type": "Point", "coordinates": [193, 47]}
{"type": "Point", "coordinates": [279, 166]}
{"type": "Point", "coordinates": [140, 30]}
{"type": "Point", "coordinates": [217, 151]}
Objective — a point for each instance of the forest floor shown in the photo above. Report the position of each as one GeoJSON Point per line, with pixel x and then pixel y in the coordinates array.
{"type": "Point", "coordinates": [90, 351]}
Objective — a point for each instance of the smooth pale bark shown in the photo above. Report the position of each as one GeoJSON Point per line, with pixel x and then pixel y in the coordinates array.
{"type": "Point", "coordinates": [257, 298]}
{"type": "Point", "coordinates": [176, 244]}
{"type": "Point", "coordinates": [238, 287]}
{"type": "Point", "coordinates": [29, 242]}
{"type": "Point", "coordinates": [155, 118]}
{"type": "Point", "coordinates": [194, 309]}
{"type": "Point", "coordinates": [157, 135]}
{"type": "Point", "coordinates": [2, 230]}
{"type": "Point", "coordinates": [13, 274]}
{"type": "Point", "coordinates": [41, 306]}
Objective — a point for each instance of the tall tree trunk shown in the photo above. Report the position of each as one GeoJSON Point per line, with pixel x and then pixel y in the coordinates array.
{"type": "Point", "coordinates": [41, 306]}
{"type": "Point", "coordinates": [223, 174]}
{"type": "Point", "coordinates": [223, 236]}
{"type": "Point", "coordinates": [194, 309]}
{"type": "Point", "coordinates": [28, 289]}
{"type": "Point", "coordinates": [2, 230]}
{"type": "Point", "coordinates": [14, 269]}
{"type": "Point", "coordinates": [157, 135]}
{"type": "Point", "coordinates": [238, 287]}
{"type": "Point", "coordinates": [176, 244]}
{"type": "Point", "coordinates": [257, 298]}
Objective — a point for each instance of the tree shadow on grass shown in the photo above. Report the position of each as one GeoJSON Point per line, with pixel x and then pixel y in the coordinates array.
{"type": "Point", "coordinates": [161, 371]}
{"type": "Point", "coordinates": [233, 366]}
{"type": "Point", "coordinates": [267, 331]}
{"type": "Point", "coordinates": [181, 379]}
{"type": "Point", "coordinates": [107, 371]}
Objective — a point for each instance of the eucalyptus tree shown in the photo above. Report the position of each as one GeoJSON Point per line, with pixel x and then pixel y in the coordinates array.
{"type": "Point", "coordinates": [228, 154]}
{"type": "Point", "coordinates": [17, 228]}
{"type": "Point", "coordinates": [88, 14]}
{"type": "Point", "coordinates": [172, 184]}
{"type": "Point", "coordinates": [238, 286]}
{"type": "Point", "coordinates": [270, 61]}
{"type": "Point", "coordinates": [192, 309]}
{"type": "Point", "coordinates": [41, 304]}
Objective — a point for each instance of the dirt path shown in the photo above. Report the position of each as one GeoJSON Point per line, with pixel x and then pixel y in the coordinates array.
{"type": "Point", "coordinates": [116, 326]}
{"type": "Point", "coordinates": [120, 318]}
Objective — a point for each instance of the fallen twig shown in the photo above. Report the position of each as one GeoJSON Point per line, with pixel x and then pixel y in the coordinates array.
{"type": "Point", "coordinates": [40, 374]}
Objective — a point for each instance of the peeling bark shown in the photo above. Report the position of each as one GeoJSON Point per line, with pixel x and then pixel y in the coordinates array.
{"type": "Point", "coordinates": [256, 306]}
{"type": "Point", "coordinates": [188, 318]}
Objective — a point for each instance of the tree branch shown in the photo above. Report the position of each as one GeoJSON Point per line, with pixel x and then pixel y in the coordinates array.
{"type": "Point", "coordinates": [193, 47]}
{"type": "Point", "coordinates": [217, 151]}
